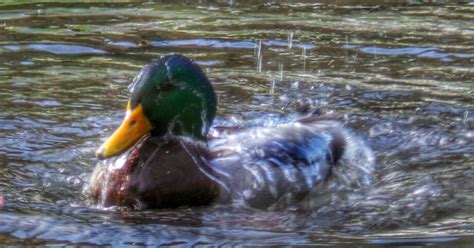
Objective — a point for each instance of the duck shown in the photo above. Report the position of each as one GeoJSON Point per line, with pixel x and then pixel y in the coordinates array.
{"type": "Point", "coordinates": [167, 154]}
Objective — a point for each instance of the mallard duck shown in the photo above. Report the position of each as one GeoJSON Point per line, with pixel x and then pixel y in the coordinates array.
{"type": "Point", "coordinates": [163, 155]}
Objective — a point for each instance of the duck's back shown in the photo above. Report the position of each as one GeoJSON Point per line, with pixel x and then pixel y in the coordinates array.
{"type": "Point", "coordinates": [276, 166]}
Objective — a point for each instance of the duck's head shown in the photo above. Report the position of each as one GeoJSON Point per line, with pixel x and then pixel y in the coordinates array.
{"type": "Point", "coordinates": [170, 96]}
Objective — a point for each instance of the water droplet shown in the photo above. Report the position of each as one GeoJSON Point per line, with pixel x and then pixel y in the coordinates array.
{"type": "Point", "coordinates": [40, 12]}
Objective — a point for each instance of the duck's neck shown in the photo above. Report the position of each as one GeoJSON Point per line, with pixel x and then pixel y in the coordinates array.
{"type": "Point", "coordinates": [191, 122]}
{"type": "Point", "coordinates": [171, 173]}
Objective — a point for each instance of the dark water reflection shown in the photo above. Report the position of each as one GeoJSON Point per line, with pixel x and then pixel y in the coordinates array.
{"type": "Point", "coordinates": [402, 72]}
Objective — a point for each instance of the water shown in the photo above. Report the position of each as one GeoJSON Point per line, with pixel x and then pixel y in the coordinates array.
{"type": "Point", "coordinates": [402, 73]}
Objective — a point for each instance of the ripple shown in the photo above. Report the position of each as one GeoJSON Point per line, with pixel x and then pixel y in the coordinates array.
{"type": "Point", "coordinates": [204, 43]}
{"type": "Point", "coordinates": [124, 44]}
{"type": "Point", "coordinates": [282, 43]}
{"type": "Point", "coordinates": [226, 44]}
{"type": "Point", "coordinates": [59, 49]}
{"type": "Point", "coordinates": [420, 52]}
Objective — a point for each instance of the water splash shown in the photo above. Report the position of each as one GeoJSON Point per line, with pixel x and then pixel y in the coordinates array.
{"type": "Point", "coordinates": [290, 40]}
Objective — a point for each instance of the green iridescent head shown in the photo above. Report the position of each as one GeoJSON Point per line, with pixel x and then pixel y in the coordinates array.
{"type": "Point", "coordinates": [170, 96]}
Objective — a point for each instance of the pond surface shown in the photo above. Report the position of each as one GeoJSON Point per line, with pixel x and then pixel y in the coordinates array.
{"type": "Point", "coordinates": [402, 73]}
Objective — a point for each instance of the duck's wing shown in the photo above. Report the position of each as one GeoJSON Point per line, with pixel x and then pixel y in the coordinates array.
{"type": "Point", "coordinates": [277, 166]}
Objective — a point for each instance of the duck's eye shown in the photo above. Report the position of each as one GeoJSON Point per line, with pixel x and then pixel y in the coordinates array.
{"type": "Point", "coordinates": [167, 87]}
{"type": "Point", "coordinates": [133, 122]}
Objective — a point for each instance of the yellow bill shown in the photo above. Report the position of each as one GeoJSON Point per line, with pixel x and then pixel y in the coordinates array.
{"type": "Point", "coordinates": [133, 127]}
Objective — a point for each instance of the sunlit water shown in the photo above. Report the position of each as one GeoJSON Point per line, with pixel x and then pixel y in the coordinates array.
{"type": "Point", "coordinates": [402, 73]}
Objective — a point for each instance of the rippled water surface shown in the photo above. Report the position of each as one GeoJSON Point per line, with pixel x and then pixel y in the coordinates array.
{"type": "Point", "coordinates": [402, 73]}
